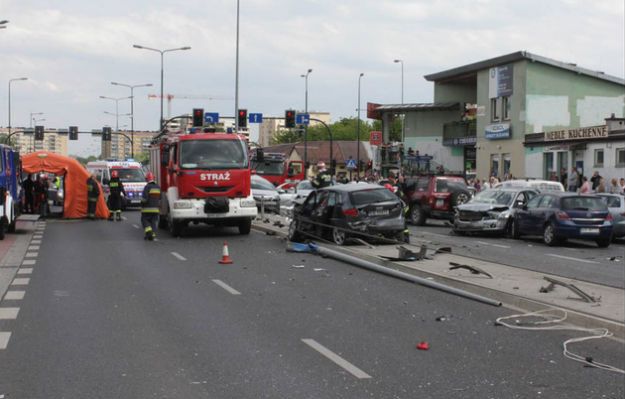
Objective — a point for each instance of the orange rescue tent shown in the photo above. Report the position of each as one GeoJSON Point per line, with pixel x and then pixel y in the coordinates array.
{"type": "Point", "coordinates": [75, 181]}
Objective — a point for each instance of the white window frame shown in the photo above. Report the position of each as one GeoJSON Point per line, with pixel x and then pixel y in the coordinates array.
{"type": "Point", "coordinates": [494, 109]}
{"type": "Point", "coordinates": [505, 108]}
{"type": "Point", "coordinates": [616, 162]}
{"type": "Point", "coordinates": [595, 163]}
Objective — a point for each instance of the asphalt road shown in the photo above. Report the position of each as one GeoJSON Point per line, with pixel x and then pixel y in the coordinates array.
{"type": "Point", "coordinates": [577, 259]}
{"type": "Point", "coordinates": [108, 315]}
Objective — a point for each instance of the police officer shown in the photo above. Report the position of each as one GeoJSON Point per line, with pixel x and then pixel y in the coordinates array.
{"type": "Point", "coordinates": [323, 178]}
{"type": "Point", "coordinates": [93, 192]}
{"type": "Point", "coordinates": [115, 196]}
{"type": "Point", "coordinates": [150, 206]}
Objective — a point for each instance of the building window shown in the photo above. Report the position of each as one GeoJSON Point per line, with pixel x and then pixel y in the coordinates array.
{"type": "Point", "coordinates": [598, 158]}
{"type": "Point", "coordinates": [494, 165]}
{"type": "Point", "coordinates": [620, 157]}
{"type": "Point", "coordinates": [505, 108]}
{"type": "Point", "coordinates": [494, 109]}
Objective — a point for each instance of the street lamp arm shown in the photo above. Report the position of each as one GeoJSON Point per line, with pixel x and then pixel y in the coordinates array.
{"type": "Point", "coordinates": [176, 49]}
{"type": "Point", "coordinates": [147, 48]}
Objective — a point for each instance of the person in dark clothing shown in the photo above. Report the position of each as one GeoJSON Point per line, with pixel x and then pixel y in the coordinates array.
{"type": "Point", "coordinates": [29, 187]}
{"type": "Point", "coordinates": [595, 180]}
{"type": "Point", "coordinates": [41, 192]}
{"type": "Point", "coordinates": [93, 192]}
{"type": "Point", "coordinates": [323, 178]}
{"type": "Point", "coordinates": [116, 195]}
{"type": "Point", "coordinates": [150, 207]}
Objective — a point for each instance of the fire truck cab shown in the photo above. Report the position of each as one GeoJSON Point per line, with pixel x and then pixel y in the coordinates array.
{"type": "Point", "coordinates": [204, 177]}
{"type": "Point", "coordinates": [276, 168]}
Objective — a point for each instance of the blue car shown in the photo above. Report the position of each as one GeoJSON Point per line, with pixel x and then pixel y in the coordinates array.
{"type": "Point", "coordinates": [559, 216]}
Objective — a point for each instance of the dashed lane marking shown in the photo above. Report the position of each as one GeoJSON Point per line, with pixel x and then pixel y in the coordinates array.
{"type": "Point", "coordinates": [25, 270]}
{"type": "Point", "coordinates": [494, 245]}
{"type": "Point", "coordinates": [38, 237]}
{"type": "Point", "coordinates": [21, 281]}
{"type": "Point", "coordinates": [574, 259]}
{"type": "Point", "coordinates": [177, 255]}
{"type": "Point", "coordinates": [35, 242]}
{"type": "Point", "coordinates": [31, 254]}
{"type": "Point", "coordinates": [33, 248]}
{"type": "Point", "coordinates": [9, 313]}
{"type": "Point", "coordinates": [14, 295]}
{"type": "Point", "coordinates": [344, 364]}
{"type": "Point", "coordinates": [226, 287]}
{"type": "Point", "coordinates": [135, 226]}
{"type": "Point", "coordinates": [4, 339]}
{"type": "Point", "coordinates": [29, 262]}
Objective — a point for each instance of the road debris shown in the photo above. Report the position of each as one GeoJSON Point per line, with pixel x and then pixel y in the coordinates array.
{"type": "Point", "coordinates": [553, 282]}
{"type": "Point", "coordinates": [298, 266]}
{"type": "Point", "coordinates": [423, 346]}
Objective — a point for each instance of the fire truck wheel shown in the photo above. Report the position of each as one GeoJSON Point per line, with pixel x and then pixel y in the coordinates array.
{"type": "Point", "coordinates": [162, 222]}
{"type": "Point", "coordinates": [245, 227]}
{"type": "Point", "coordinates": [2, 228]}
{"type": "Point", "coordinates": [175, 227]}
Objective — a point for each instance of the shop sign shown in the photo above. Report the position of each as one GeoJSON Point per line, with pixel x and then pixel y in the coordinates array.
{"type": "Point", "coordinates": [375, 138]}
{"type": "Point", "coordinates": [500, 81]}
{"type": "Point", "coordinates": [458, 141]}
{"type": "Point", "coordinates": [582, 133]}
{"type": "Point", "coordinates": [497, 131]}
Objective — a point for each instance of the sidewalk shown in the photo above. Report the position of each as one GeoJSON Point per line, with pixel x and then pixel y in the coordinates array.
{"type": "Point", "coordinates": [515, 287]}
{"type": "Point", "coordinates": [12, 250]}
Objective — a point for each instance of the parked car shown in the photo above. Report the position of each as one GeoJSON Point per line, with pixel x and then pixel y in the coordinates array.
{"type": "Point", "coordinates": [491, 211]}
{"type": "Point", "coordinates": [559, 216]}
{"type": "Point", "coordinates": [265, 192]}
{"type": "Point", "coordinates": [535, 184]}
{"type": "Point", "coordinates": [349, 210]}
{"type": "Point", "coordinates": [616, 207]}
{"type": "Point", "coordinates": [289, 192]}
{"type": "Point", "coordinates": [434, 196]}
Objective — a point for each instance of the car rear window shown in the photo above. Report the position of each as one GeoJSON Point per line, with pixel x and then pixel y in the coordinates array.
{"type": "Point", "coordinates": [372, 196]}
{"type": "Point", "coordinates": [583, 203]}
{"type": "Point", "coordinates": [613, 202]}
{"type": "Point", "coordinates": [449, 184]}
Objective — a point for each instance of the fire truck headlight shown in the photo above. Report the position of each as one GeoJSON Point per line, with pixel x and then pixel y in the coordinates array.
{"type": "Point", "coordinates": [248, 203]}
{"type": "Point", "coordinates": [183, 205]}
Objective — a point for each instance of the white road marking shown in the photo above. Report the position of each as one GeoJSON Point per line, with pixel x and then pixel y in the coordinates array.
{"type": "Point", "coordinates": [33, 248]}
{"type": "Point", "coordinates": [9, 313]}
{"type": "Point", "coordinates": [226, 287]}
{"type": "Point", "coordinates": [135, 226]}
{"type": "Point", "coordinates": [31, 254]}
{"type": "Point", "coordinates": [39, 237]}
{"type": "Point", "coordinates": [29, 262]}
{"type": "Point", "coordinates": [493, 245]}
{"type": "Point", "coordinates": [575, 259]}
{"type": "Point", "coordinates": [35, 242]}
{"type": "Point", "coordinates": [177, 255]}
{"type": "Point", "coordinates": [4, 339]}
{"type": "Point", "coordinates": [25, 270]}
{"type": "Point", "coordinates": [14, 295]}
{"type": "Point", "coordinates": [21, 281]}
{"type": "Point", "coordinates": [355, 371]}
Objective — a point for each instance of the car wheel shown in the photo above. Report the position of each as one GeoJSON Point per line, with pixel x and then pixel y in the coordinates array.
{"type": "Point", "coordinates": [515, 232]}
{"type": "Point", "coordinates": [294, 234]}
{"type": "Point", "coordinates": [339, 237]}
{"type": "Point", "coordinates": [175, 227]}
{"type": "Point", "coordinates": [417, 216]}
{"type": "Point", "coordinates": [460, 198]}
{"type": "Point", "coordinates": [603, 242]}
{"type": "Point", "coordinates": [549, 236]}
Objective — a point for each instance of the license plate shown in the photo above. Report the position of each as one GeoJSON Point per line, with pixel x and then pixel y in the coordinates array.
{"type": "Point", "coordinates": [382, 212]}
{"type": "Point", "coordinates": [589, 231]}
{"type": "Point", "coordinates": [440, 202]}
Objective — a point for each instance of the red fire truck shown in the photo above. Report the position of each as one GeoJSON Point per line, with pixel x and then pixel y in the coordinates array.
{"type": "Point", "coordinates": [204, 177]}
{"type": "Point", "coordinates": [276, 168]}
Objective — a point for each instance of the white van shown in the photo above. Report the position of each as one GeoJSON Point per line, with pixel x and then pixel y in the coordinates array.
{"type": "Point", "coordinates": [130, 173]}
{"type": "Point", "coordinates": [539, 185]}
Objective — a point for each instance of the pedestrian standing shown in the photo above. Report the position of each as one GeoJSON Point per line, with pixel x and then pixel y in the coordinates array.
{"type": "Point", "coordinates": [93, 192]}
{"type": "Point", "coordinates": [614, 187]}
{"type": "Point", "coordinates": [573, 180]}
{"type": "Point", "coordinates": [621, 184]}
{"type": "Point", "coordinates": [563, 177]}
{"type": "Point", "coordinates": [585, 188]}
{"type": "Point", "coordinates": [116, 195]}
{"type": "Point", "coordinates": [595, 180]}
{"type": "Point", "coordinates": [29, 187]}
{"type": "Point", "coordinates": [150, 207]}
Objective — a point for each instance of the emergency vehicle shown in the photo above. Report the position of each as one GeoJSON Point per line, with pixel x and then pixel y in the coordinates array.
{"type": "Point", "coordinates": [204, 177]}
{"type": "Point", "coordinates": [276, 168]}
{"type": "Point", "coordinates": [10, 189]}
{"type": "Point", "coordinates": [130, 173]}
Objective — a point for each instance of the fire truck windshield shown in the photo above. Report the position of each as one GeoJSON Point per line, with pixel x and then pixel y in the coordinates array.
{"type": "Point", "coordinates": [268, 167]}
{"type": "Point", "coordinates": [213, 154]}
{"type": "Point", "coordinates": [131, 175]}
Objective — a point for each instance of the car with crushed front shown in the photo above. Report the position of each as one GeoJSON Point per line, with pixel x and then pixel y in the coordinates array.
{"type": "Point", "coordinates": [491, 211]}
{"type": "Point", "coordinates": [558, 216]}
{"type": "Point", "coordinates": [347, 211]}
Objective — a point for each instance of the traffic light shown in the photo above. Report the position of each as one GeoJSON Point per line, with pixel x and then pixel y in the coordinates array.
{"type": "Point", "coordinates": [39, 133]}
{"type": "Point", "coordinates": [289, 118]}
{"type": "Point", "coordinates": [73, 132]}
{"type": "Point", "coordinates": [198, 117]}
{"type": "Point", "coordinates": [106, 133]}
{"type": "Point", "coordinates": [242, 118]}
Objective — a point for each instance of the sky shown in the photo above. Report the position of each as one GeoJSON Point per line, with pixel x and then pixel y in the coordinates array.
{"type": "Point", "coordinates": [71, 51]}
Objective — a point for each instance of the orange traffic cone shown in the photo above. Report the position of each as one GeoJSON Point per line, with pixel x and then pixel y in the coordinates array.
{"type": "Point", "coordinates": [225, 258]}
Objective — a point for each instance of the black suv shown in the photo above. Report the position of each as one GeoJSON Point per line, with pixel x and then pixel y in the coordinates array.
{"type": "Point", "coordinates": [434, 196]}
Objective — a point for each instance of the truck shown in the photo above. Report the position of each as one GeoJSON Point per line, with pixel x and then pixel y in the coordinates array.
{"type": "Point", "coordinates": [130, 173]}
{"type": "Point", "coordinates": [276, 168]}
{"type": "Point", "coordinates": [10, 189]}
{"type": "Point", "coordinates": [205, 177]}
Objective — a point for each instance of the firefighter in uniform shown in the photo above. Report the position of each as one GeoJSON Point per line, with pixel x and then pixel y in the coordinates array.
{"type": "Point", "coordinates": [93, 192]}
{"type": "Point", "coordinates": [323, 178]}
{"type": "Point", "coordinates": [150, 206]}
{"type": "Point", "coordinates": [115, 196]}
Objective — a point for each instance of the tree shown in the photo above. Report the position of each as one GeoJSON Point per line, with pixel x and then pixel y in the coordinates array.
{"type": "Point", "coordinates": [395, 133]}
{"type": "Point", "coordinates": [286, 136]}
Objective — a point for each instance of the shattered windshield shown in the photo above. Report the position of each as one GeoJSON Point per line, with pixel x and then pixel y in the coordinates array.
{"type": "Point", "coordinates": [495, 197]}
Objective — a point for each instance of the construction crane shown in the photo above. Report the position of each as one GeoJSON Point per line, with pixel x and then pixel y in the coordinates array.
{"type": "Point", "coordinates": [170, 97]}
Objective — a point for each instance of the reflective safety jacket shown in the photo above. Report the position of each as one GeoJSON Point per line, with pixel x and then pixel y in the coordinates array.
{"type": "Point", "coordinates": [151, 198]}
{"type": "Point", "coordinates": [323, 179]}
{"type": "Point", "coordinates": [116, 186]}
{"type": "Point", "coordinates": [93, 190]}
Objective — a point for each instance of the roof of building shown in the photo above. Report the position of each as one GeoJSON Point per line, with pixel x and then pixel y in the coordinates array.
{"type": "Point", "coordinates": [519, 56]}
{"type": "Point", "coordinates": [446, 106]}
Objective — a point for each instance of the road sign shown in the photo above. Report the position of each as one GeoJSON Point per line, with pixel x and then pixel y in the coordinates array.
{"type": "Point", "coordinates": [211, 117]}
{"type": "Point", "coordinates": [350, 164]}
{"type": "Point", "coordinates": [302, 119]}
{"type": "Point", "coordinates": [375, 138]}
{"type": "Point", "coordinates": [255, 118]}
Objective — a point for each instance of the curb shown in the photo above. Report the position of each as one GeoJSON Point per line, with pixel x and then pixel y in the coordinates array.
{"type": "Point", "coordinates": [511, 301]}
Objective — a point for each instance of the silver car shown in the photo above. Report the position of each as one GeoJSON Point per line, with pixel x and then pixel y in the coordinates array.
{"type": "Point", "coordinates": [491, 210]}
{"type": "Point", "coordinates": [265, 194]}
{"type": "Point", "coordinates": [616, 207]}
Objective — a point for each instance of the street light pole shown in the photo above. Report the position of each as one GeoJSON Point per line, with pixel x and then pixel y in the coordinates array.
{"type": "Point", "coordinates": [236, 79]}
{"type": "Point", "coordinates": [32, 114]}
{"type": "Point", "coordinates": [403, 125]}
{"type": "Point", "coordinates": [358, 130]}
{"type": "Point", "coordinates": [162, 53]}
{"type": "Point", "coordinates": [306, 126]}
{"type": "Point", "coordinates": [132, 111]}
{"type": "Point", "coordinates": [11, 81]}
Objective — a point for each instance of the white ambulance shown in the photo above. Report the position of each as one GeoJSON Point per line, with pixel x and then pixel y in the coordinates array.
{"type": "Point", "coordinates": [131, 174]}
